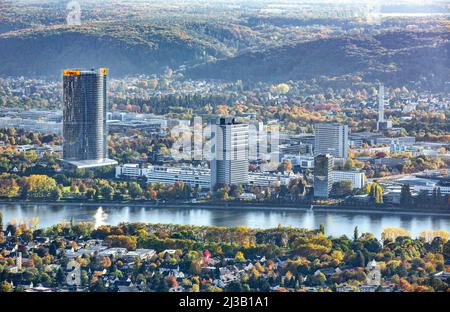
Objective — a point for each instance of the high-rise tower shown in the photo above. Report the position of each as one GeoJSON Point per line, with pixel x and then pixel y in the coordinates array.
{"type": "Point", "coordinates": [229, 164]}
{"type": "Point", "coordinates": [331, 138]}
{"type": "Point", "coordinates": [323, 175]}
{"type": "Point", "coordinates": [382, 124]}
{"type": "Point", "coordinates": [85, 96]}
{"type": "Point", "coordinates": [381, 103]}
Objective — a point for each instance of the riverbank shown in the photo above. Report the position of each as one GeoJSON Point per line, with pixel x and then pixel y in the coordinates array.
{"type": "Point", "coordinates": [242, 206]}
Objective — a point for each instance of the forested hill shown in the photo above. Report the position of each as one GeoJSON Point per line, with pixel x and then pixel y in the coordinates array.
{"type": "Point", "coordinates": [224, 52]}
{"type": "Point", "coordinates": [125, 48]}
{"type": "Point", "coordinates": [391, 56]}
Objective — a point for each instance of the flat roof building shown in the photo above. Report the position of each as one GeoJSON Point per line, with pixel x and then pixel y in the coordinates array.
{"type": "Point", "coordinates": [331, 138]}
{"type": "Point", "coordinates": [194, 177]}
{"type": "Point", "coordinates": [229, 163]}
{"type": "Point", "coordinates": [358, 179]}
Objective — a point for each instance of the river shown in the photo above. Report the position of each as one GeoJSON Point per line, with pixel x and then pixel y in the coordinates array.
{"type": "Point", "coordinates": [336, 223]}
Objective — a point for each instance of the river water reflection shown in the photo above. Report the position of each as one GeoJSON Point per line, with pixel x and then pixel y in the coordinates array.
{"type": "Point", "coordinates": [336, 223]}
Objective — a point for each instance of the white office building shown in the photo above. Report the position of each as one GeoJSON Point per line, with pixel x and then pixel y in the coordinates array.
{"type": "Point", "coordinates": [264, 179]}
{"type": "Point", "coordinates": [194, 177]}
{"type": "Point", "coordinates": [382, 124]}
{"type": "Point", "coordinates": [332, 139]}
{"type": "Point", "coordinates": [130, 171]}
{"type": "Point", "coordinates": [229, 163]}
{"type": "Point", "coordinates": [358, 179]}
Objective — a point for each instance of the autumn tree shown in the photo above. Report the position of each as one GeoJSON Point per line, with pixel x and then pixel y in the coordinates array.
{"type": "Point", "coordinates": [376, 193]}
{"type": "Point", "coordinates": [239, 257]}
{"type": "Point", "coordinates": [6, 287]}
{"type": "Point", "coordinates": [151, 194]}
{"type": "Point", "coordinates": [281, 88]}
{"type": "Point", "coordinates": [429, 236]}
{"type": "Point", "coordinates": [8, 186]}
{"type": "Point", "coordinates": [153, 83]}
{"type": "Point", "coordinates": [286, 166]}
{"type": "Point", "coordinates": [393, 233]}
{"type": "Point", "coordinates": [105, 262]}
{"type": "Point", "coordinates": [39, 186]}
{"type": "Point", "coordinates": [123, 241]}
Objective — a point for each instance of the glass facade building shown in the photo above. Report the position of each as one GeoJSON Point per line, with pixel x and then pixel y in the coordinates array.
{"type": "Point", "coordinates": [323, 175]}
{"type": "Point", "coordinates": [85, 130]}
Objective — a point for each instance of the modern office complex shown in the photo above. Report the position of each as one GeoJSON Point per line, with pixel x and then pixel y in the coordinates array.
{"type": "Point", "coordinates": [229, 163]}
{"type": "Point", "coordinates": [358, 179]}
{"type": "Point", "coordinates": [331, 138]}
{"type": "Point", "coordinates": [323, 175]}
{"type": "Point", "coordinates": [85, 96]}
{"type": "Point", "coordinates": [194, 177]}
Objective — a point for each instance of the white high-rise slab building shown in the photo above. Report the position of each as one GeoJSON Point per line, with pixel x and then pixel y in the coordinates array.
{"type": "Point", "coordinates": [382, 124]}
{"type": "Point", "coordinates": [331, 138]}
{"type": "Point", "coordinates": [381, 103]}
{"type": "Point", "coordinates": [229, 164]}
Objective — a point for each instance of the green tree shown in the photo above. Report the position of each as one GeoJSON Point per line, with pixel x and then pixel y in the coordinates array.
{"type": "Point", "coordinates": [356, 233]}
{"type": "Point", "coordinates": [349, 164]}
{"type": "Point", "coordinates": [236, 190]}
{"type": "Point", "coordinates": [222, 193]}
{"type": "Point", "coordinates": [84, 277]}
{"type": "Point", "coordinates": [446, 250]}
{"type": "Point", "coordinates": [405, 196]}
{"type": "Point", "coordinates": [342, 188]}
{"type": "Point", "coordinates": [97, 286]}
{"type": "Point", "coordinates": [56, 193]}
{"type": "Point", "coordinates": [135, 190]}
{"type": "Point", "coordinates": [360, 260]}
{"type": "Point", "coordinates": [318, 279]}
{"type": "Point", "coordinates": [234, 286]}
{"type": "Point", "coordinates": [106, 192]}
{"type": "Point", "coordinates": [90, 193]}
{"type": "Point", "coordinates": [322, 228]}
{"type": "Point", "coordinates": [60, 277]}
